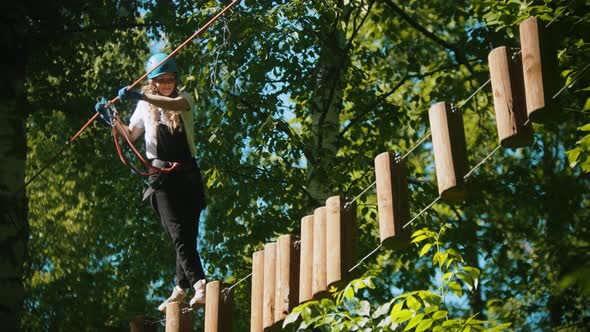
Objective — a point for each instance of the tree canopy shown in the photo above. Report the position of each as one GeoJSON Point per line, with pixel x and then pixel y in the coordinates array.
{"type": "Point", "coordinates": [294, 99]}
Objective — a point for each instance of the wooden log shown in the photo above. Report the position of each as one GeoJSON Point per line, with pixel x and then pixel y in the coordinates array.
{"type": "Point", "coordinates": [257, 294]}
{"type": "Point", "coordinates": [306, 260]}
{"type": "Point", "coordinates": [509, 98]}
{"type": "Point", "coordinates": [319, 286]}
{"type": "Point", "coordinates": [268, 309]}
{"type": "Point", "coordinates": [218, 315]}
{"type": "Point", "coordinates": [450, 150]}
{"type": "Point", "coordinates": [176, 321]}
{"type": "Point", "coordinates": [287, 278]}
{"type": "Point", "coordinates": [340, 241]}
{"type": "Point", "coordinates": [138, 324]}
{"type": "Point", "coordinates": [392, 201]}
{"type": "Point", "coordinates": [541, 76]}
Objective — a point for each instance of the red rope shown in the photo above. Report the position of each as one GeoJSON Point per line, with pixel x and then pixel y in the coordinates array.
{"type": "Point", "coordinates": [112, 101]}
{"type": "Point", "coordinates": [154, 170]}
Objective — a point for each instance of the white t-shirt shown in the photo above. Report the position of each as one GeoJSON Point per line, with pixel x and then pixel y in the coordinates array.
{"type": "Point", "coordinates": [144, 119]}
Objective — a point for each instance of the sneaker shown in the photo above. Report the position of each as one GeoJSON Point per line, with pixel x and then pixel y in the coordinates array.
{"type": "Point", "coordinates": [199, 297]}
{"type": "Point", "coordinates": [178, 294]}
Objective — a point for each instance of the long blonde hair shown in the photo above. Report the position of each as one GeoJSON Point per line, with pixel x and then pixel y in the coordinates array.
{"type": "Point", "coordinates": [173, 119]}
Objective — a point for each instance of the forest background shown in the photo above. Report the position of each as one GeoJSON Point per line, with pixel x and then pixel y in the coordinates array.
{"type": "Point", "coordinates": [294, 101]}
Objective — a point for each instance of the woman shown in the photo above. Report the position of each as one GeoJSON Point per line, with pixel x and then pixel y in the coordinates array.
{"type": "Point", "coordinates": [164, 117]}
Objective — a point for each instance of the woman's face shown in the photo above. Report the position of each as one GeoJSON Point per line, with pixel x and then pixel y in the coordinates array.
{"type": "Point", "coordinates": [166, 83]}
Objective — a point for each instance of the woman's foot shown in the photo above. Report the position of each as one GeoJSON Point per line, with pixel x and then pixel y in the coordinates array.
{"type": "Point", "coordinates": [199, 298]}
{"type": "Point", "coordinates": [178, 294]}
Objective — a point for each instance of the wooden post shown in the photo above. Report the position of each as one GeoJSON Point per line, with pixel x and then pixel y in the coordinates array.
{"type": "Point", "coordinates": [306, 260]}
{"type": "Point", "coordinates": [540, 70]}
{"type": "Point", "coordinates": [218, 315]}
{"type": "Point", "coordinates": [509, 98]}
{"type": "Point", "coordinates": [287, 279]}
{"type": "Point", "coordinates": [340, 241]}
{"type": "Point", "coordinates": [319, 286]}
{"type": "Point", "coordinates": [138, 324]}
{"type": "Point", "coordinates": [257, 292]}
{"type": "Point", "coordinates": [450, 150]}
{"type": "Point", "coordinates": [268, 309]}
{"type": "Point", "coordinates": [176, 321]}
{"type": "Point", "coordinates": [392, 201]}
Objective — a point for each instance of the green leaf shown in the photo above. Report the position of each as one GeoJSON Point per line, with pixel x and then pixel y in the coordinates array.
{"type": "Point", "coordinates": [413, 304]}
{"type": "Point", "coordinates": [402, 316]}
{"type": "Point", "coordinates": [424, 325]}
{"type": "Point", "coordinates": [425, 249]}
{"type": "Point", "coordinates": [585, 127]}
{"type": "Point", "coordinates": [419, 238]}
{"type": "Point", "coordinates": [440, 314]}
{"type": "Point", "coordinates": [414, 321]}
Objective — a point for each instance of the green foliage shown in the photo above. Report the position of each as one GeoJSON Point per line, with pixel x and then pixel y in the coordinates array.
{"type": "Point", "coordinates": [420, 310]}
{"type": "Point", "coordinates": [294, 100]}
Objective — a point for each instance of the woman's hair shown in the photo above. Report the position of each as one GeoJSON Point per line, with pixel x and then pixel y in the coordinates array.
{"type": "Point", "coordinates": [172, 118]}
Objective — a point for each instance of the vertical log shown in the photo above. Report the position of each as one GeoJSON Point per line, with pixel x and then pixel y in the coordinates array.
{"type": "Point", "coordinates": [319, 284]}
{"type": "Point", "coordinates": [138, 324]}
{"type": "Point", "coordinates": [340, 241]}
{"type": "Point", "coordinates": [540, 70]}
{"type": "Point", "coordinates": [287, 279]}
{"type": "Point", "coordinates": [306, 260]}
{"type": "Point", "coordinates": [268, 309]}
{"type": "Point", "coordinates": [392, 201]}
{"type": "Point", "coordinates": [450, 150]}
{"type": "Point", "coordinates": [509, 98]}
{"type": "Point", "coordinates": [218, 315]}
{"type": "Point", "coordinates": [257, 292]}
{"type": "Point", "coordinates": [176, 321]}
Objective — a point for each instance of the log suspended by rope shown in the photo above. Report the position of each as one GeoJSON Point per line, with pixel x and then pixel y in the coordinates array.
{"type": "Point", "coordinates": [392, 200]}
{"type": "Point", "coordinates": [268, 309]}
{"type": "Point", "coordinates": [175, 320]}
{"type": "Point", "coordinates": [340, 241]}
{"type": "Point", "coordinates": [450, 150]}
{"type": "Point", "coordinates": [287, 278]}
{"type": "Point", "coordinates": [305, 263]}
{"type": "Point", "coordinates": [509, 98]}
{"type": "Point", "coordinates": [257, 292]}
{"type": "Point", "coordinates": [139, 324]}
{"type": "Point", "coordinates": [540, 71]}
{"type": "Point", "coordinates": [218, 308]}
{"type": "Point", "coordinates": [319, 285]}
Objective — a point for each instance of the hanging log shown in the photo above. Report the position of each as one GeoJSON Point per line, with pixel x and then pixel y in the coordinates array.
{"type": "Point", "coordinates": [268, 309]}
{"type": "Point", "coordinates": [509, 98]}
{"type": "Point", "coordinates": [319, 283]}
{"type": "Point", "coordinates": [287, 279]}
{"type": "Point", "coordinates": [450, 150]}
{"type": "Point", "coordinates": [176, 321]}
{"type": "Point", "coordinates": [392, 201]}
{"type": "Point", "coordinates": [306, 260]}
{"type": "Point", "coordinates": [138, 324]}
{"type": "Point", "coordinates": [257, 294]}
{"type": "Point", "coordinates": [218, 304]}
{"type": "Point", "coordinates": [541, 76]}
{"type": "Point", "coordinates": [340, 241]}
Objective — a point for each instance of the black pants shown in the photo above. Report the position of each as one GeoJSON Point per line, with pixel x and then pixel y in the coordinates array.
{"type": "Point", "coordinates": [178, 202]}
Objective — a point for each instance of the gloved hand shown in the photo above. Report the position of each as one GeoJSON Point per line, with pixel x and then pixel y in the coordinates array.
{"type": "Point", "coordinates": [105, 113]}
{"type": "Point", "coordinates": [130, 94]}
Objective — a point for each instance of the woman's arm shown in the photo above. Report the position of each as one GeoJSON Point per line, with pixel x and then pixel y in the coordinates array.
{"type": "Point", "coordinates": [167, 103]}
{"type": "Point", "coordinates": [133, 134]}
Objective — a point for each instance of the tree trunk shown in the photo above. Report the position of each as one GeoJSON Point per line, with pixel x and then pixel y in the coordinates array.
{"type": "Point", "coordinates": [326, 106]}
{"type": "Point", "coordinates": [14, 228]}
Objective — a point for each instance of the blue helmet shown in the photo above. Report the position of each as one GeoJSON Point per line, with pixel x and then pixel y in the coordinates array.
{"type": "Point", "coordinates": [167, 67]}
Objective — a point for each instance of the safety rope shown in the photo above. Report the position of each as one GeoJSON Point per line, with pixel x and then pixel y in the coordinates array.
{"type": "Point", "coordinates": [112, 101]}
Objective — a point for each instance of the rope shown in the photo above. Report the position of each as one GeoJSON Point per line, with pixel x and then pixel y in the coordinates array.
{"type": "Point", "coordinates": [560, 13]}
{"type": "Point", "coordinates": [415, 146]}
{"type": "Point", "coordinates": [574, 80]}
{"type": "Point", "coordinates": [112, 101]}
{"type": "Point", "coordinates": [473, 94]}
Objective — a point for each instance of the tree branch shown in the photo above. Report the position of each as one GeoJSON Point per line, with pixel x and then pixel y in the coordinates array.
{"type": "Point", "coordinates": [461, 57]}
